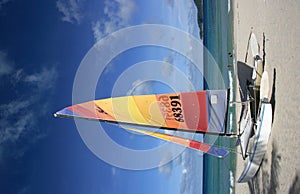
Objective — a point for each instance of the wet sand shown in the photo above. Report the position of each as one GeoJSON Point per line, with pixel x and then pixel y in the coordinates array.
{"type": "Point", "coordinates": [279, 21]}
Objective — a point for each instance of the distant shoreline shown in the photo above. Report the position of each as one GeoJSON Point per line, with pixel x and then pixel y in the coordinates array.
{"type": "Point", "coordinates": [199, 6]}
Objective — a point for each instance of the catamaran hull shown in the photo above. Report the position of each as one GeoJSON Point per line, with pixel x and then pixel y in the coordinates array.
{"type": "Point", "coordinates": [260, 143]}
{"type": "Point", "coordinates": [246, 127]}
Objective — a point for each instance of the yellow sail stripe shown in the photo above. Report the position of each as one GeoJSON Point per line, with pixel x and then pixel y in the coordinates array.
{"type": "Point", "coordinates": [153, 134]}
{"type": "Point", "coordinates": [134, 112]}
{"type": "Point", "coordinates": [133, 109]}
{"type": "Point", "coordinates": [105, 105]}
{"type": "Point", "coordinates": [148, 107]}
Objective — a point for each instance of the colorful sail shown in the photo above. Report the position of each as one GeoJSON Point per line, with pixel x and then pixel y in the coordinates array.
{"type": "Point", "coordinates": [206, 148]}
{"type": "Point", "coordinates": [201, 111]}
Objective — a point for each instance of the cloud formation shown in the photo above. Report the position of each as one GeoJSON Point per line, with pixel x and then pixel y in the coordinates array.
{"type": "Point", "coordinates": [191, 173]}
{"type": "Point", "coordinates": [167, 68]}
{"type": "Point", "coordinates": [12, 130]}
{"type": "Point", "coordinates": [140, 87]}
{"type": "Point", "coordinates": [43, 80]}
{"type": "Point", "coordinates": [6, 66]}
{"type": "Point", "coordinates": [70, 9]}
{"type": "Point", "coordinates": [117, 15]}
{"type": "Point", "coordinates": [3, 2]}
{"type": "Point", "coordinates": [171, 3]}
{"type": "Point", "coordinates": [166, 168]}
{"type": "Point", "coordinates": [19, 116]}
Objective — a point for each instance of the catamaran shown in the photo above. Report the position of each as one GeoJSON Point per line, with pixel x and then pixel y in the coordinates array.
{"type": "Point", "coordinates": [261, 115]}
{"type": "Point", "coordinates": [197, 112]}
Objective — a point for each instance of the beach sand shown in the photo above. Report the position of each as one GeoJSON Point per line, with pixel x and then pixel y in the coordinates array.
{"type": "Point", "coordinates": [279, 21]}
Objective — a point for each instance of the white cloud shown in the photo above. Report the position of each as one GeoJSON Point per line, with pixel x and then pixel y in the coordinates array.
{"type": "Point", "coordinates": [19, 122]}
{"type": "Point", "coordinates": [19, 118]}
{"type": "Point", "coordinates": [6, 66]}
{"type": "Point", "coordinates": [13, 107]}
{"type": "Point", "coordinates": [169, 59]}
{"type": "Point", "coordinates": [117, 13]}
{"type": "Point", "coordinates": [140, 87]}
{"type": "Point", "coordinates": [166, 168]}
{"type": "Point", "coordinates": [171, 3]}
{"type": "Point", "coordinates": [191, 172]}
{"type": "Point", "coordinates": [12, 130]}
{"type": "Point", "coordinates": [25, 190]}
{"type": "Point", "coordinates": [96, 30]}
{"type": "Point", "coordinates": [113, 171]}
{"type": "Point", "coordinates": [70, 10]}
{"type": "Point", "coordinates": [167, 69]}
{"type": "Point", "coordinates": [17, 76]}
{"type": "Point", "coordinates": [43, 80]}
{"type": "Point", "coordinates": [3, 2]}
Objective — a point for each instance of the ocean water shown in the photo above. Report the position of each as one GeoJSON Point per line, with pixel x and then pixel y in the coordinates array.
{"type": "Point", "coordinates": [217, 28]}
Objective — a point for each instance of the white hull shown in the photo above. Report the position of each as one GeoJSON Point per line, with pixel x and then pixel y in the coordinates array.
{"type": "Point", "coordinates": [246, 127]}
{"type": "Point", "coordinates": [260, 143]}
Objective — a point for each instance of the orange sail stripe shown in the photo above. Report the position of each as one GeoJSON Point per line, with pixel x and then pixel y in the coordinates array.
{"type": "Point", "coordinates": [218, 152]}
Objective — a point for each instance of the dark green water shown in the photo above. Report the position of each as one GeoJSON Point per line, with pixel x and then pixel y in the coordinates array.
{"type": "Point", "coordinates": [218, 176]}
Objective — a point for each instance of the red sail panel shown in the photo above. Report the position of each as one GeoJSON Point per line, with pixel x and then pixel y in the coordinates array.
{"type": "Point", "coordinates": [184, 110]}
{"type": "Point", "coordinates": [195, 110]}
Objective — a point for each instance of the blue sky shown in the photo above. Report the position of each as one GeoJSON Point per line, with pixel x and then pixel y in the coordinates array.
{"type": "Point", "coordinates": [41, 46]}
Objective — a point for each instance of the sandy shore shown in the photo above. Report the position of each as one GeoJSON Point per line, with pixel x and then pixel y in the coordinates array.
{"type": "Point", "coordinates": [279, 21]}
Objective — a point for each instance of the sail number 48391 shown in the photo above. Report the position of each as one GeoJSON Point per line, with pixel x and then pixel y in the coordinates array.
{"type": "Point", "coordinates": [171, 107]}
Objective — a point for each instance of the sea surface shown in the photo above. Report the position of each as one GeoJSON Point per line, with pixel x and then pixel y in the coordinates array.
{"type": "Point", "coordinates": [215, 21]}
